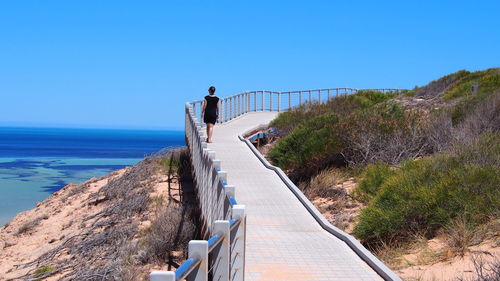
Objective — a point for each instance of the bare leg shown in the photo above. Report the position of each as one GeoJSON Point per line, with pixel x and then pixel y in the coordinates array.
{"type": "Point", "coordinates": [210, 130]}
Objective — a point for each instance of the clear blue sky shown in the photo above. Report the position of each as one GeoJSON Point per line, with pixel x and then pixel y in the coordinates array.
{"type": "Point", "coordinates": [133, 64]}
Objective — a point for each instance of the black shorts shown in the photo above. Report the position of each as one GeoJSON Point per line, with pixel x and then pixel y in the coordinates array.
{"type": "Point", "coordinates": [210, 118]}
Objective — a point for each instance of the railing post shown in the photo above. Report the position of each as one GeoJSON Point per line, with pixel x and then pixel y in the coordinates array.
{"type": "Point", "coordinates": [238, 237]}
{"type": "Point", "coordinates": [255, 101]}
{"type": "Point", "coordinates": [162, 276]}
{"type": "Point", "coordinates": [319, 96]}
{"type": "Point", "coordinates": [198, 249]}
{"type": "Point", "coordinates": [271, 101]}
{"type": "Point", "coordinates": [248, 102]}
{"type": "Point", "coordinates": [310, 96]}
{"type": "Point", "coordinates": [233, 107]}
{"type": "Point", "coordinates": [201, 112]}
{"type": "Point", "coordinates": [237, 105]}
{"type": "Point", "coordinates": [222, 111]}
{"type": "Point", "coordinates": [216, 163]}
{"type": "Point", "coordinates": [220, 254]}
{"type": "Point", "coordinates": [230, 190]}
{"type": "Point", "coordinates": [289, 100]}
{"type": "Point", "coordinates": [300, 98]}
{"type": "Point", "coordinates": [225, 110]}
{"type": "Point", "coordinates": [222, 175]}
{"type": "Point", "coordinates": [262, 100]}
{"type": "Point", "coordinates": [337, 92]}
{"type": "Point", "coordinates": [279, 101]}
{"type": "Point", "coordinates": [328, 97]}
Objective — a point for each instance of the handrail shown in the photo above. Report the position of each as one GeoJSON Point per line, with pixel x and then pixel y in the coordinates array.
{"type": "Point", "coordinates": [186, 268]}
{"type": "Point", "coordinates": [223, 219]}
{"type": "Point", "coordinates": [234, 223]}
{"type": "Point", "coordinates": [263, 100]}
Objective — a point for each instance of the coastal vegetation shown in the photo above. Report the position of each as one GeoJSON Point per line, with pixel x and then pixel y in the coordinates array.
{"type": "Point", "coordinates": [426, 162]}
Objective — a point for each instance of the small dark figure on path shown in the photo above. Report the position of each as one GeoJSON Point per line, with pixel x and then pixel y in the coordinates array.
{"type": "Point", "coordinates": [210, 111]}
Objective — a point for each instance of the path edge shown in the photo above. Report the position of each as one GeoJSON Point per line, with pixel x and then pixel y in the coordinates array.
{"type": "Point", "coordinates": [377, 265]}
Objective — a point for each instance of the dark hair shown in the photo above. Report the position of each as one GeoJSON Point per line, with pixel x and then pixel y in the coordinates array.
{"type": "Point", "coordinates": [211, 90]}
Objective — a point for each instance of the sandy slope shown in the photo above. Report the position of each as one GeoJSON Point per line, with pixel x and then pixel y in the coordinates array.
{"type": "Point", "coordinates": [59, 217]}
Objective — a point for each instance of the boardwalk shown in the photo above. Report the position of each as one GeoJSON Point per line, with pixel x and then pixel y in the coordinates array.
{"type": "Point", "coordinates": [284, 242]}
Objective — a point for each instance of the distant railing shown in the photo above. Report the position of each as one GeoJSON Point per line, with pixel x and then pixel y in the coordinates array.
{"type": "Point", "coordinates": [252, 101]}
{"type": "Point", "coordinates": [222, 256]}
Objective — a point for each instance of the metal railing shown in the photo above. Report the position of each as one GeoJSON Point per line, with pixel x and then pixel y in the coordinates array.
{"type": "Point", "coordinates": [222, 256]}
{"type": "Point", "coordinates": [253, 101]}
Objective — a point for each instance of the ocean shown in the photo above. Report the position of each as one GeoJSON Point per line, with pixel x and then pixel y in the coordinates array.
{"type": "Point", "coordinates": [36, 162]}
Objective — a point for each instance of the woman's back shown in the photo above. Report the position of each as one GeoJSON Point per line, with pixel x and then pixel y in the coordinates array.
{"type": "Point", "coordinates": [211, 104]}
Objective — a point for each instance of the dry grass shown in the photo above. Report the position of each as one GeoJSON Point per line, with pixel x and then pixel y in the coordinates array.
{"type": "Point", "coordinates": [28, 226]}
{"type": "Point", "coordinates": [323, 184]}
{"type": "Point", "coordinates": [461, 235]}
{"type": "Point", "coordinates": [398, 254]}
{"type": "Point", "coordinates": [170, 231]}
{"type": "Point", "coordinates": [329, 191]}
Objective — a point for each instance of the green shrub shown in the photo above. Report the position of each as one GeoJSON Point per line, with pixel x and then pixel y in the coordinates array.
{"type": "Point", "coordinates": [44, 271]}
{"type": "Point", "coordinates": [341, 105]}
{"type": "Point", "coordinates": [368, 98]}
{"type": "Point", "coordinates": [428, 193]}
{"type": "Point", "coordinates": [487, 81]}
{"type": "Point", "coordinates": [312, 139]}
{"type": "Point", "coordinates": [372, 178]}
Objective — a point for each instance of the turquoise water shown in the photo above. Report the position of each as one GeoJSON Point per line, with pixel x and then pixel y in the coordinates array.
{"type": "Point", "coordinates": [36, 162]}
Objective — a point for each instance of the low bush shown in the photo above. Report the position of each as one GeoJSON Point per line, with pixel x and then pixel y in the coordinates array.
{"type": "Point", "coordinates": [373, 177]}
{"type": "Point", "coordinates": [286, 122]}
{"type": "Point", "coordinates": [313, 139]}
{"type": "Point", "coordinates": [385, 132]}
{"type": "Point", "coordinates": [42, 272]}
{"type": "Point", "coordinates": [170, 231]}
{"type": "Point", "coordinates": [428, 193]}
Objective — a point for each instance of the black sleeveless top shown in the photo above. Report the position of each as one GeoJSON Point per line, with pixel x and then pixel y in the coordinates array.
{"type": "Point", "coordinates": [211, 108]}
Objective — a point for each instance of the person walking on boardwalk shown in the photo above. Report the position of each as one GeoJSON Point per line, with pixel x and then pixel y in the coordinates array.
{"type": "Point", "coordinates": [210, 111]}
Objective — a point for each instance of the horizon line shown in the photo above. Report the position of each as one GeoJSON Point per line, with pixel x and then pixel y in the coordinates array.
{"type": "Point", "coordinates": [89, 127]}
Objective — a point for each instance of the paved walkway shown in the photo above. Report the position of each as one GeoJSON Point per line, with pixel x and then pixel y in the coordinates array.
{"type": "Point", "coordinates": [284, 242]}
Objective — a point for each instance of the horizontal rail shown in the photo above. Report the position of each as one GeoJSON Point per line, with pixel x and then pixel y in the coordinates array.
{"type": "Point", "coordinates": [234, 223]}
{"type": "Point", "coordinates": [214, 241]}
{"type": "Point", "coordinates": [186, 268]}
{"type": "Point", "coordinates": [233, 201]}
{"type": "Point", "coordinates": [263, 100]}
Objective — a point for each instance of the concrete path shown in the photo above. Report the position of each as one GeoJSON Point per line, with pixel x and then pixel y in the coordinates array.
{"type": "Point", "coordinates": [284, 242]}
